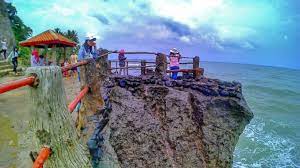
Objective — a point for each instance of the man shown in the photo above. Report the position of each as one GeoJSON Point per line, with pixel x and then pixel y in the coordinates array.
{"type": "Point", "coordinates": [88, 49]}
{"type": "Point", "coordinates": [4, 48]}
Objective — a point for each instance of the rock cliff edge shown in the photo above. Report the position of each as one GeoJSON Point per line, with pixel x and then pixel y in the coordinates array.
{"type": "Point", "coordinates": [154, 122]}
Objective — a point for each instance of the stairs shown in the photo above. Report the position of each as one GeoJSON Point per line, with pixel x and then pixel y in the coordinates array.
{"type": "Point", "coordinates": [6, 68]}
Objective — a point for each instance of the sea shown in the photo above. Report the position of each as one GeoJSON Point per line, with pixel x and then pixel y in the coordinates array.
{"type": "Point", "coordinates": [272, 139]}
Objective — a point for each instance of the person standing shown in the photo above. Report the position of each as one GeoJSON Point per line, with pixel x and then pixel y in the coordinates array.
{"type": "Point", "coordinates": [4, 48]}
{"type": "Point", "coordinates": [73, 60]}
{"type": "Point", "coordinates": [88, 49]}
{"type": "Point", "coordinates": [35, 59]}
{"type": "Point", "coordinates": [174, 61]}
{"type": "Point", "coordinates": [122, 61]}
{"type": "Point", "coordinates": [15, 59]}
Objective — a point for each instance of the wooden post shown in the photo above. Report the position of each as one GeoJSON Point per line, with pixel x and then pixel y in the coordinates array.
{"type": "Point", "coordinates": [109, 65]}
{"type": "Point", "coordinates": [65, 53]}
{"type": "Point", "coordinates": [196, 62]}
{"type": "Point", "coordinates": [51, 121]}
{"type": "Point", "coordinates": [126, 67]}
{"type": "Point", "coordinates": [161, 65]}
{"type": "Point", "coordinates": [92, 75]}
{"type": "Point", "coordinates": [196, 65]}
{"type": "Point", "coordinates": [143, 67]}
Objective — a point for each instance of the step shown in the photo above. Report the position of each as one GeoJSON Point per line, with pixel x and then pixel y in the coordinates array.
{"type": "Point", "coordinates": [7, 71]}
{"type": "Point", "coordinates": [4, 62]}
{"type": "Point", "coordinates": [2, 67]}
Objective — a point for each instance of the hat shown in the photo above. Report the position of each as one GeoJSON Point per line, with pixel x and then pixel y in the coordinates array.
{"type": "Point", "coordinates": [90, 38]}
{"type": "Point", "coordinates": [122, 51]}
{"type": "Point", "coordinates": [174, 51]}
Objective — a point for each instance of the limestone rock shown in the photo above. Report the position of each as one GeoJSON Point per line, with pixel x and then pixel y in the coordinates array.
{"type": "Point", "coordinates": [191, 124]}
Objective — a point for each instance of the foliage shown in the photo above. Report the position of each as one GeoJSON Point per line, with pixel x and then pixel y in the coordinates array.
{"type": "Point", "coordinates": [21, 31]}
{"type": "Point", "coordinates": [70, 34]}
{"type": "Point", "coordinates": [24, 56]}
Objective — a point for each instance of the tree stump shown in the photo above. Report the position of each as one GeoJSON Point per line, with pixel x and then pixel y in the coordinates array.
{"type": "Point", "coordinates": [52, 123]}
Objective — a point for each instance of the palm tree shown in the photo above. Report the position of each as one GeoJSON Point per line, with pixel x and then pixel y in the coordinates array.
{"type": "Point", "coordinates": [57, 30]}
{"type": "Point", "coordinates": [72, 34]}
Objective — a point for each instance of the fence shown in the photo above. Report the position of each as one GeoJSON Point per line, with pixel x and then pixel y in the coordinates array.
{"type": "Point", "coordinates": [52, 124]}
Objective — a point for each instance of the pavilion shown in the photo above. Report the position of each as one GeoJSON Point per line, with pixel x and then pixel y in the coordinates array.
{"type": "Point", "coordinates": [49, 39]}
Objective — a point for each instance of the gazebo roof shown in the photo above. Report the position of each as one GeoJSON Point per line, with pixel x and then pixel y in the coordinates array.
{"type": "Point", "coordinates": [49, 38]}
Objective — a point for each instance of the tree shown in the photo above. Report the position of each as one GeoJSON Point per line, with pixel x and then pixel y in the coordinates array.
{"type": "Point", "coordinates": [21, 31]}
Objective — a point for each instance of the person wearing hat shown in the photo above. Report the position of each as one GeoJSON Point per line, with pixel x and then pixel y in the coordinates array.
{"type": "Point", "coordinates": [88, 49]}
{"type": "Point", "coordinates": [174, 61]}
{"type": "Point", "coordinates": [122, 60]}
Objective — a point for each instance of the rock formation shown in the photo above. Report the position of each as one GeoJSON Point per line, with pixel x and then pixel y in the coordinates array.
{"type": "Point", "coordinates": [159, 122]}
{"type": "Point", "coordinates": [5, 27]}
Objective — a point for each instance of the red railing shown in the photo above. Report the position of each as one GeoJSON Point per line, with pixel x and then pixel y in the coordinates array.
{"type": "Point", "coordinates": [69, 67]}
{"type": "Point", "coordinates": [29, 81]}
{"type": "Point", "coordinates": [8, 86]}
{"type": "Point", "coordinates": [42, 157]}
{"type": "Point", "coordinates": [77, 99]}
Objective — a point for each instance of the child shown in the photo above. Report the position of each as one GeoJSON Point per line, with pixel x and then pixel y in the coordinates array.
{"type": "Point", "coordinates": [174, 61]}
{"type": "Point", "coordinates": [122, 60]}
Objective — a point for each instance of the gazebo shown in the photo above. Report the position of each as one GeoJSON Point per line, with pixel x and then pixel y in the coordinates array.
{"type": "Point", "coordinates": [48, 39]}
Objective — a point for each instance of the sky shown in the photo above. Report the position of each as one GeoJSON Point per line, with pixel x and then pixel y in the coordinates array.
{"type": "Point", "coordinates": [263, 32]}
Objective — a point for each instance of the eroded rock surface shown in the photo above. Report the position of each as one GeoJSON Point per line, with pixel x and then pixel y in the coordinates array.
{"type": "Point", "coordinates": [156, 122]}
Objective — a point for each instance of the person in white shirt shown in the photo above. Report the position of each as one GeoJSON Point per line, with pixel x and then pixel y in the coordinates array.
{"type": "Point", "coordinates": [4, 48]}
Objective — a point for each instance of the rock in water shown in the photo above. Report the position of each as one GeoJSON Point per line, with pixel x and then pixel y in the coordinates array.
{"type": "Point", "coordinates": [154, 125]}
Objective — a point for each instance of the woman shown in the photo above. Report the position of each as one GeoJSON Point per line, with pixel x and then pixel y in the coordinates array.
{"type": "Point", "coordinates": [174, 61]}
{"type": "Point", "coordinates": [15, 59]}
{"type": "Point", "coordinates": [35, 59]}
{"type": "Point", "coordinates": [122, 60]}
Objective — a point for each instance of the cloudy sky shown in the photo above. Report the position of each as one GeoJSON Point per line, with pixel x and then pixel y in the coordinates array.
{"type": "Point", "coordinates": [243, 31]}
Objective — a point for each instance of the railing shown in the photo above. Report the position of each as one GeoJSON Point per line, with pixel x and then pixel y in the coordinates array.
{"type": "Point", "coordinates": [89, 83]}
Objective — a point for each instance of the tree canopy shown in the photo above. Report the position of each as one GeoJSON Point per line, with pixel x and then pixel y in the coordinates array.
{"type": "Point", "coordinates": [21, 31]}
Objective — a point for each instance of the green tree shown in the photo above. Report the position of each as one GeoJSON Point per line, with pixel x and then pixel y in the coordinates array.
{"type": "Point", "coordinates": [21, 31]}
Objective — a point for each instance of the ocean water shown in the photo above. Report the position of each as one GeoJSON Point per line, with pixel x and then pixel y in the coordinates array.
{"type": "Point", "coordinates": [272, 139]}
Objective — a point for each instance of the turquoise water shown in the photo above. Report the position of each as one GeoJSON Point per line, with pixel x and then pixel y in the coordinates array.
{"type": "Point", "coordinates": [272, 139]}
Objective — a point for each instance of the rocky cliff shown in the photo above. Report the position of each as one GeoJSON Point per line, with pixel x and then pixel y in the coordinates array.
{"type": "Point", "coordinates": [5, 27]}
{"type": "Point", "coordinates": [154, 122]}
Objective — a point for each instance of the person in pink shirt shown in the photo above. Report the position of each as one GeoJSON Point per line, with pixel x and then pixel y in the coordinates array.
{"type": "Point", "coordinates": [174, 61]}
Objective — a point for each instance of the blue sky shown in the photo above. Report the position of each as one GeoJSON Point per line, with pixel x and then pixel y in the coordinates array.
{"type": "Point", "coordinates": [243, 31]}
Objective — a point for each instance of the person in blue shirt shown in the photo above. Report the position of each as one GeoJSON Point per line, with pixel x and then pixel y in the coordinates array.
{"type": "Point", "coordinates": [88, 49]}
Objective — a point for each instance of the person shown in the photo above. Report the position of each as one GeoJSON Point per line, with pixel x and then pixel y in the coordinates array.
{"type": "Point", "coordinates": [73, 60]}
{"type": "Point", "coordinates": [35, 59]}
{"type": "Point", "coordinates": [122, 60]}
{"type": "Point", "coordinates": [4, 48]}
{"type": "Point", "coordinates": [88, 49]}
{"type": "Point", "coordinates": [42, 60]}
{"type": "Point", "coordinates": [65, 64]}
{"type": "Point", "coordinates": [174, 61]}
{"type": "Point", "coordinates": [15, 59]}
